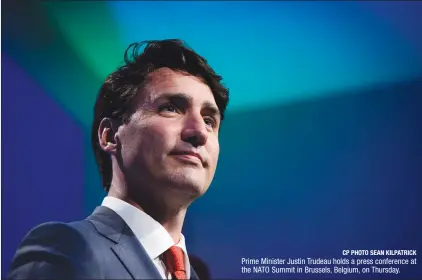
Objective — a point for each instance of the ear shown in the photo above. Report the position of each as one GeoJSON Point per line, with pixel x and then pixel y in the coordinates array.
{"type": "Point", "coordinates": [107, 135]}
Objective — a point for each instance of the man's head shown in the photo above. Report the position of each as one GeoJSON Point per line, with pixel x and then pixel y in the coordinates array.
{"type": "Point", "coordinates": [158, 118]}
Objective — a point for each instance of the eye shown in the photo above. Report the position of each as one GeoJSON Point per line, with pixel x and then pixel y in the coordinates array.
{"type": "Point", "coordinates": [210, 122]}
{"type": "Point", "coordinates": [168, 108]}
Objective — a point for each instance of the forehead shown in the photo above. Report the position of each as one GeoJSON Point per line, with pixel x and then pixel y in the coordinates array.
{"type": "Point", "coordinates": [165, 80]}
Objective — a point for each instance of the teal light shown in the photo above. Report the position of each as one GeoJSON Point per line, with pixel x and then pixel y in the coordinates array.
{"type": "Point", "coordinates": [91, 32]}
{"type": "Point", "coordinates": [277, 52]}
{"type": "Point", "coordinates": [269, 53]}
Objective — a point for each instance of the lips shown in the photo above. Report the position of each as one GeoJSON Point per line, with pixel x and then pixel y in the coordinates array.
{"type": "Point", "coordinates": [188, 153]}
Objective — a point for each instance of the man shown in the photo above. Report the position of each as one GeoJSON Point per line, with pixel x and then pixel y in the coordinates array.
{"type": "Point", "coordinates": [155, 138]}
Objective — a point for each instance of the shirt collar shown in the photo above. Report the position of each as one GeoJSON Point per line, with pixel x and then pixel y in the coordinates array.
{"type": "Point", "coordinates": [150, 233]}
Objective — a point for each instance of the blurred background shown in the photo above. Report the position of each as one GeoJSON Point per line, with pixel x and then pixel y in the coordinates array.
{"type": "Point", "coordinates": [320, 150]}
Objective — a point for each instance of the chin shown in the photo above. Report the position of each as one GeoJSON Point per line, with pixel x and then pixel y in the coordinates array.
{"type": "Point", "coordinates": [190, 185]}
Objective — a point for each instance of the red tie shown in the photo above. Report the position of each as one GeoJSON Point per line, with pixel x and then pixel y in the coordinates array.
{"type": "Point", "coordinates": [174, 259]}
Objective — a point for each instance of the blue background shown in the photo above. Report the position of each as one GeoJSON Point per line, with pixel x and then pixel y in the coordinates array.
{"type": "Point", "coordinates": [320, 151]}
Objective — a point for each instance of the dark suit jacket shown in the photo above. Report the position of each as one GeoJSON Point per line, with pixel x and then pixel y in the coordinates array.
{"type": "Point", "coordinates": [100, 247]}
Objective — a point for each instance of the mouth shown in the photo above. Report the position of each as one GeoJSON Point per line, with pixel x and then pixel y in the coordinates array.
{"type": "Point", "coordinates": [189, 157]}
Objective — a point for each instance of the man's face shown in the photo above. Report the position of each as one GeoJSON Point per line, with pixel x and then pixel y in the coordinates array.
{"type": "Point", "coordinates": [171, 140]}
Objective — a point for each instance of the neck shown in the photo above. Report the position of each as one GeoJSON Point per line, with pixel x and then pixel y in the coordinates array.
{"type": "Point", "coordinates": [166, 209]}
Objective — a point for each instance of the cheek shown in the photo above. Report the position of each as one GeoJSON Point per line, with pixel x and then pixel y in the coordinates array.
{"type": "Point", "coordinates": [157, 140]}
{"type": "Point", "coordinates": [140, 143]}
{"type": "Point", "coordinates": [214, 151]}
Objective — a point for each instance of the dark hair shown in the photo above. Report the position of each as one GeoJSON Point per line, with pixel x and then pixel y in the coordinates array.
{"type": "Point", "coordinates": [116, 95]}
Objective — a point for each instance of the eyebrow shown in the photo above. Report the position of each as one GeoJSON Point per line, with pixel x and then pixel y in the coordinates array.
{"type": "Point", "coordinates": [183, 98]}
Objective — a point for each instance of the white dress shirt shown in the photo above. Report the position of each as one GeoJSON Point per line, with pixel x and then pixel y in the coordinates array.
{"type": "Point", "coordinates": [151, 234]}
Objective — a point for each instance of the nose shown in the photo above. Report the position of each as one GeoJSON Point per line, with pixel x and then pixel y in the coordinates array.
{"type": "Point", "coordinates": [195, 131]}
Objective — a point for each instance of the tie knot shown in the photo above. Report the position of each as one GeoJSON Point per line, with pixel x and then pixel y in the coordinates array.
{"type": "Point", "coordinates": [175, 262]}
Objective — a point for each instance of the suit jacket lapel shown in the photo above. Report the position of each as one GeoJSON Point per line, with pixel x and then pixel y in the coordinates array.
{"type": "Point", "coordinates": [127, 247]}
{"type": "Point", "coordinates": [134, 257]}
{"type": "Point", "coordinates": [193, 274]}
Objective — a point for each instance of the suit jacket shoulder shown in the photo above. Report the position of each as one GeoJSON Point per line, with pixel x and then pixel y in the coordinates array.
{"type": "Point", "coordinates": [100, 247]}
{"type": "Point", "coordinates": [54, 250]}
